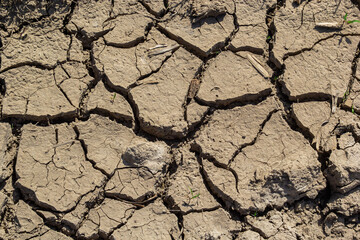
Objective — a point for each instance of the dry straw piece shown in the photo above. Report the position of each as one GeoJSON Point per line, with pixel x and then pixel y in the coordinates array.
{"type": "Point", "coordinates": [160, 49]}
{"type": "Point", "coordinates": [256, 64]}
{"type": "Point", "coordinates": [334, 25]}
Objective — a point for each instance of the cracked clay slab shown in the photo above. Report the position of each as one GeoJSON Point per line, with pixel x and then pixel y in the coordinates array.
{"type": "Point", "coordinates": [155, 7]}
{"type": "Point", "coordinates": [5, 156]}
{"type": "Point", "coordinates": [43, 45]}
{"type": "Point", "coordinates": [151, 222]}
{"type": "Point", "coordinates": [103, 101]}
{"type": "Point", "coordinates": [228, 130]}
{"type": "Point", "coordinates": [51, 168]}
{"type": "Point", "coordinates": [124, 66]}
{"type": "Point", "coordinates": [328, 69]}
{"type": "Point", "coordinates": [114, 145]}
{"type": "Point", "coordinates": [310, 116]}
{"type": "Point", "coordinates": [106, 144]}
{"type": "Point", "coordinates": [303, 220]}
{"type": "Point", "coordinates": [72, 78]}
{"type": "Point", "coordinates": [343, 171]}
{"type": "Point", "coordinates": [104, 219]}
{"type": "Point", "coordinates": [128, 30]}
{"type": "Point", "coordinates": [131, 184]}
{"type": "Point", "coordinates": [253, 31]}
{"type": "Point", "coordinates": [89, 22]}
{"type": "Point", "coordinates": [26, 224]}
{"type": "Point", "coordinates": [229, 78]}
{"type": "Point", "coordinates": [187, 182]}
{"type": "Point", "coordinates": [14, 15]}
{"type": "Point", "coordinates": [160, 104]}
{"type": "Point", "coordinates": [210, 225]}
{"type": "Point", "coordinates": [296, 25]}
{"type": "Point", "coordinates": [32, 92]}
{"type": "Point", "coordinates": [329, 130]}
{"type": "Point", "coordinates": [203, 36]}
{"type": "Point", "coordinates": [347, 204]}
{"type": "Point", "coordinates": [259, 178]}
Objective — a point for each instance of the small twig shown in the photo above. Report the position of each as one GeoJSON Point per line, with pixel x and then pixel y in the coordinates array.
{"type": "Point", "coordinates": [334, 25]}
{"type": "Point", "coordinates": [160, 49]}
{"type": "Point", "coordinates": [257, 65]}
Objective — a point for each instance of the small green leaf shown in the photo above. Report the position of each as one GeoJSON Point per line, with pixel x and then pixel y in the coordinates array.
{"type": "Point", "coordinates": [197, 195]}
{"type": "Point", "coordinates": [352, 109]}
{"type": "Point", "coordinates": [352, 21]}
{"type": "Point", "coordinates": [345, 17]}
{"type": "Point", "coordinates": [268, 38]}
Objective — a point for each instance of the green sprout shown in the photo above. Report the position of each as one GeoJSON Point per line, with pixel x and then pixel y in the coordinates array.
{"type": "Point", "coordinates": [346, 94]}
{"type": "Point", "coordinates": [349, 21]}
{"type": "Point", "coordinates": [268, 38]}
{"type": "Point", "coordinates": [192, 194]}
{"type": "Point", "coordinates": [254, 214]}
{"type": "Point", "coordinates": [113, 98]}
{"type": "Point", "coordinates": [352, 109]}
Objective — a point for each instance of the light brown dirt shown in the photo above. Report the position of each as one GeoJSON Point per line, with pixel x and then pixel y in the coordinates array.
{"type": "Point", "coordinates": [179, 119]}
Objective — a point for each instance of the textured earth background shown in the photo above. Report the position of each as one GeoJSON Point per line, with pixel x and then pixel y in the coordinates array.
{"type": "Point", "coordinates": [180, 119]}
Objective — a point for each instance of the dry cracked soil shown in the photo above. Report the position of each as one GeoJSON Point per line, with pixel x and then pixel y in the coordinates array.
{"type": "Point", "coordinates": [180, 119]}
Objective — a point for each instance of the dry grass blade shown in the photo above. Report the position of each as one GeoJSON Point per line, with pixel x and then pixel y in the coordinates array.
{"type": "Point", "coordinates": [334, 25]}
{"type": "Point", "coordinates": [146, 81]}
{"type": "Point", "coordinates": [160, 49]}
{"type": "Point", "coordinates": [257, 65]}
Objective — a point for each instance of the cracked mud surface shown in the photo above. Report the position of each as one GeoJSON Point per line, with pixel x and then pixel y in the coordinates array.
{"type": "Point", "coordinates": [179, 119]}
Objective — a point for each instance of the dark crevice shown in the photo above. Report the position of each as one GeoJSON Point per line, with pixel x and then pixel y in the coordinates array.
{"type": "Point", "coordinates": [68, 16]}
{"type": "Point", "coordinates": [238, 101]}
{"type": "Point", "coordinates": [306, 97]}
{"type": "Point", "coordinates": [244, 101]}
{"type": "Point", "coordinates": [86, 40]}
{"type": "Point", "coordinates": [159, 14]}
{"type": "Point", "coordinates": [356, 3]}
{"type": "Point", "coordinates": [93, 72]}
{"type": "Point", "coordinates": [32, 64]}
{"type": "Point", "coordinates": [174, 209]}
{"type": "Point", "coordinates": [202, 210]}
{"type": "Point", "coordinates": [16, 132]}
{"type": "Point", "coordinates": [42, 120]}
{"type": "Point", "coordinates": [354, 66]}
{"type": "Point", "coordinates": [128, 97]}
